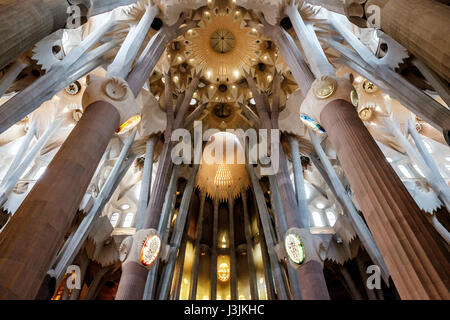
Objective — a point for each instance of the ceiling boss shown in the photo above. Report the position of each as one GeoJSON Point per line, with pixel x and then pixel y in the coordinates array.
{"type": "Point", "coordinates": [215, 46]}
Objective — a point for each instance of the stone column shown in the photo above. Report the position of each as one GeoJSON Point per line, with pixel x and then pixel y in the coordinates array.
{"type": "Point", "coordinates": [177, 279]}
{"type": "Point", "coordinates": [146, 182]}
{"type": "Point", "coordinates": [10, 76]}
{"type": "Point", "coordinates": [77, 239]}
{"type": "Point", "coordinates": [311, 46]}
{"type": "Point", "coordinates": [11, 180]}
{"type": "Point", "coordinates": [362, 271]}
{"type": "Point", "coordinates": [291, 280]}
{"type": "Point", "coordinates": [410, 247]}
{"type": "Point", "coordinates": [310, 274]}
{"type": "Point", "coordinates": [299, 180]}
{"type": "Point", "coordinates": [24, 23]}
{"type": "Point", "coordinates": [133, 279]}
{"type": "Point", "coordinates": [420, 26]}
{"type": "Point", "coordinates": [232, 248]}
{"type": "Point", "coordinates": [356, 295]}
{"type": "Point", "coordinates": [97, 282]}
{"type": "Point", "coordinates": [213, 266]}
{"type": "Point", "coordinates": [417, 263]}
{"type": "Point", "coordinates": [164, 231]}
{"type": "Point", "coordinates": [83, 263]}
{"type": "Point", "coordinates": [197, 248]}
{"type": "Point", "coordinates": [180, 233]}
{"type": "Point", "coordinates": [32, 237]}
{"type": "Point", "coordinates": [270, 242]}
{"type": "Point", "coordinates": [249, 242]}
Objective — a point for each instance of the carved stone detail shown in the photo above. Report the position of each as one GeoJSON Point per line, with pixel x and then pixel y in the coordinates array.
{"type": "Point", "coordinates": [113, 90]}
{"type": "Point", "coordinates": [313, 105]}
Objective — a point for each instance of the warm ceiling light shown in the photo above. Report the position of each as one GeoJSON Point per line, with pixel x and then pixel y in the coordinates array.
{"type": "Point", "coordinates": [129, 124]}
{"type": "Point", "coordinates": [223, 272]}
{"type": "Point", "coordinates": [223, 176]}
{"type": "Point", "coordinates": [320, 205]}
{"type": "Point", "coordinates": [236, 73]}
{"type": "Point", "coordinates": [125, 206]}
{"type": "Point", "coordinates": [175, 78]}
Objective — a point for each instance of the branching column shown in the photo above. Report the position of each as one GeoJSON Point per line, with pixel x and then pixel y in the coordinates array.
{"type": "Point", "coordinates": [25, 23]}
{"type": "Point", "coordinates": [420, 26]}
{"type": "Point", "coordinates": [249, 242]}
{"type": "Point", "coordinates": [197, 247]}
{"type": "Point", "coordinates": [310, 274]}
{"type": "Point", "coordinates": [233, 265]}
{"type": "Point", "coordinates": [134, 275]}
{"type": "Point", "coordinates": [213, 265]}
{"type": "Point", "coordinates": [33, 236]}
{"type": "Point", "coordinates": [418, 264]}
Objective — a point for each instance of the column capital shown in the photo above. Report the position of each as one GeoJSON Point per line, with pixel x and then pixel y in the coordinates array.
{"type": "Point", "coordinates": [323, 91]}
{"type": "Point", "coordinates": [116, 92]}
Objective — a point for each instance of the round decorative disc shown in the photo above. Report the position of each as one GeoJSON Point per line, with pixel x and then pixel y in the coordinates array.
{"type": "Point", "coordinates": [150, 250]}
{"type": "Point", "coordinates": [222, 41]}
{"type": "Point", "coordinates": [354, 98]}
{"type": "Point", "coordinates": [369, 87]}
{"type": "Point", "coordinates": [294, 248]}
{"type": "Point", "coordinates": [366, 114]}
{"type": "Point", "coordinates": [324, 87]}
{"type": "Point", "coordinates": [73, 88]}
{"type": "Point", "coordinates": [76, 114]}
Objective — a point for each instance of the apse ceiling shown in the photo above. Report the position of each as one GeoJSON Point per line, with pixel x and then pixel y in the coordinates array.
{"type": "Point", "coordinates": [223, 46]}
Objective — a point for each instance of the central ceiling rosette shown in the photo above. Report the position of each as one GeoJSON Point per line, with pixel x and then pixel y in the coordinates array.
{"type": "Point", "coordinates": [222, 44]}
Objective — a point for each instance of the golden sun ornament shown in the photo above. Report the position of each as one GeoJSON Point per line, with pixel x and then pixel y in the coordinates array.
{"type": "Point", "coordinates": [222, 44]}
